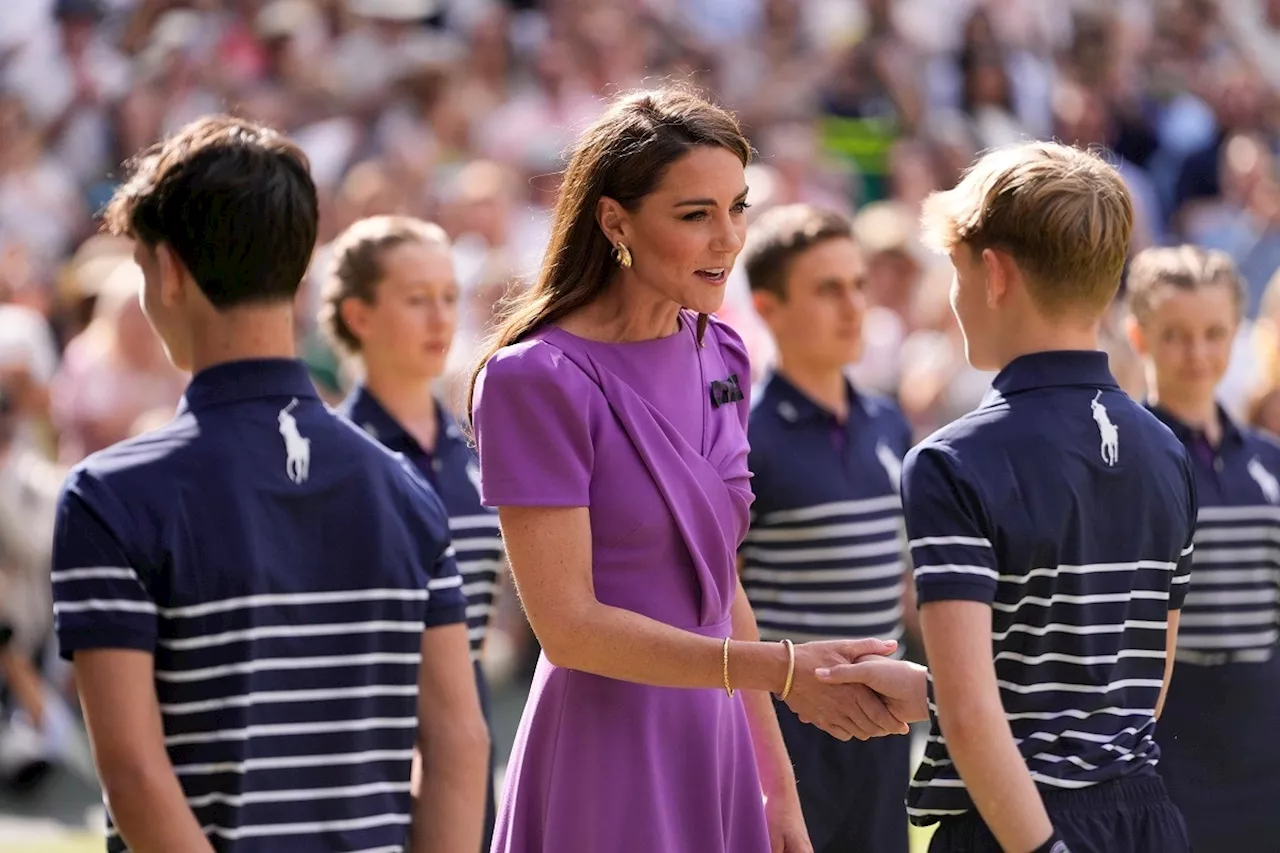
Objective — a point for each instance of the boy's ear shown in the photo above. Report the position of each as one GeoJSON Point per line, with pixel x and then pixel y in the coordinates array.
{"type": "Point", "coordinates": [1000, 271]}
{"type": "Point", "coordinates": [174, 278]}
{"type": "Point", "coordinates": [766, 303]}
{"type": "Point", "coordinates": [1137, 337]}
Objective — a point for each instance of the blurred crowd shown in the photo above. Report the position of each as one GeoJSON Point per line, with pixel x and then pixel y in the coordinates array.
{"type": "Point", "coordinates": [458, 111]}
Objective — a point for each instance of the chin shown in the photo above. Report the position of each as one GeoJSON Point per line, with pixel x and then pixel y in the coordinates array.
{"type": "Point", "coordinates": [704, 303]}
{"type": "Point", "coordinates": [427, 370]}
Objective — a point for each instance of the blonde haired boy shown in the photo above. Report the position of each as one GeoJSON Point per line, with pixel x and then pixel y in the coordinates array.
{"type": "Point", "coordinates": [1051, 534]}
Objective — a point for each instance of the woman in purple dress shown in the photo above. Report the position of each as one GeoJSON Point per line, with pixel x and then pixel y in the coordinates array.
{"type": "Point", "coordinates": [610, 419]}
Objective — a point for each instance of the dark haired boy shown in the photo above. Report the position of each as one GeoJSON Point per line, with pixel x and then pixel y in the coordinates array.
{"type": "Point", "coordinates": [824, 557]}
{"type": "Point", "coordinates": [256, 597]}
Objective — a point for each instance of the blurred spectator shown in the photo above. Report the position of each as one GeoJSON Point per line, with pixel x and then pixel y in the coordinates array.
{"type": "Point", "coordinates": [114, 371]}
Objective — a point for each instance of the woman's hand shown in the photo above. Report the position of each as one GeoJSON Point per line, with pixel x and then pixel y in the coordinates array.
{"type": "Point", "coordinates": [787, 830]}
{"type": "Point", "coordinates": [842, 710]}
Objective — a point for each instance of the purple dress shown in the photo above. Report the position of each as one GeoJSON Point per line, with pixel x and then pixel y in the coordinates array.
{"type": "Point", "coordinates": [629, 430]}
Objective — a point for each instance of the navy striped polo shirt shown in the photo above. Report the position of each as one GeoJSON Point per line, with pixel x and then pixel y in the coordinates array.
{"type": "Point", "coordinates": [453, 471]}
{"type": "Point", "coordinates": [825, 554]}
{"type": "Point", "coordinates": [281, 567]}
{"type": "Point", "coordinates": [1232, 612]}
{"type": "Point", "coordinates": [1070, 509]}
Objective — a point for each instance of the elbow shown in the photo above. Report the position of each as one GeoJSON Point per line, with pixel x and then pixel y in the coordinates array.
{"type": "Point", "coordinates": [127, 778]}
{"type": "Point", "coordinates": [558, 653]}
{"type": "Point", "coordinates": [460, 739]}
{"type": "Point", "coordinates": [967, 722]}
{"type": "Point", "coordinates": [562, 636]}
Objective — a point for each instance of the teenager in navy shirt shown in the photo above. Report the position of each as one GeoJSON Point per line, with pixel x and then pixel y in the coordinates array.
{"type": "Point", "coordinates": [392, 299]}
{"type": "Point", "coordinates": [1219, 752]}
{"type": "Point", "coordinates": [260, 602]}
{"type": "Point", "coordinates": [1050, 531]}
{"type": "Point", "coordinates": [825, 553]}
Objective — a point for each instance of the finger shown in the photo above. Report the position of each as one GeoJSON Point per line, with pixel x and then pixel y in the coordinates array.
{"type": "Point", "coordinates": [840, 731]}
{"type": "Point", "coordinates": [854, 649]}
{"type": "Point", "coordinates": [878, 718]}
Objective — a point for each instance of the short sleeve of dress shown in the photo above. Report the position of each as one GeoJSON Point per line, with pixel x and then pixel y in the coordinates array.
{"type": "Point", "coordinates": [532, 417]}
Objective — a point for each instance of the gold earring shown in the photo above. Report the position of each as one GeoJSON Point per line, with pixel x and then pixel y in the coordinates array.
{"type": "Point", "coordinates": [622, 255]}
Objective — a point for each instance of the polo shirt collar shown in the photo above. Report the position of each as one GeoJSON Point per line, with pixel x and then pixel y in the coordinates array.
{"type": "Point", "coordinates": [1231, 433]}
{"type": "Point", "coordinates": [367, 412]}
{"type": "Point", "coordinates": [1054, 369]}
{"type": "Point", "coordinates": [794, 406]}
{"type": "Point", "coordinates": [247, 379]}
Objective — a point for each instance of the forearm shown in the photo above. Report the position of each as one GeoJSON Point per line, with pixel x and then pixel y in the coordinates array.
{"type": "Point", "coordinates": [981, 745]}
{"type": "Point", "coordinates": [625, 645]}
{"type": "Point", "coordinates": [150, 811]}
{"type": "Point", "coordinates": [448, 813]}
{"type": "Point", "coordinates": [1171, 647]}
{"type": "Point", "coordinates": [777, 776]}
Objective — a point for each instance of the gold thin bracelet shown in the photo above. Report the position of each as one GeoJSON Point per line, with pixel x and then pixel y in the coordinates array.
{"type": "Point", "coordinates": [791, 669]}
{"type": "Point", "coordinates": [727, 688]}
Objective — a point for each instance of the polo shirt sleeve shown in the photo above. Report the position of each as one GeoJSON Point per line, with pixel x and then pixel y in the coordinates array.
{"type": "Point", "coordinates": [532, 417]}
{"type": "Point", "coordinates": [100, 600]}
{"type": "Point", "coordinates": [446, 599]}
{"type": "Point", "coordinates": [1182, 571]}
{"type": "Point", "coordinates": [950, 545]}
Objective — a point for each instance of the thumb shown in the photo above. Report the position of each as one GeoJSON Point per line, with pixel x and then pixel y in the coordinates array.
{"type": "Point", "coordinates": [847, 673]}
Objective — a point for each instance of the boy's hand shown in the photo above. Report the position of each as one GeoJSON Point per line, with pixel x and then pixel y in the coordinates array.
{"type": "Point", "coordinates": [843, 711]}
{"type": "Point", "coordinates": [901, 685]}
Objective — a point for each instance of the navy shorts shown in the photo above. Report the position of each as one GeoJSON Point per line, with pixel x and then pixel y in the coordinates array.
{"type": "Point", "coordinates": [851, 792]}
{"type": "Point", "coordinates": [1131, 815]}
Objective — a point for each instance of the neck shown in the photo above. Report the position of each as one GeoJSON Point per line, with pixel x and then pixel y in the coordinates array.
{"type": "Point", "coordinates": [626, 311]}
{"type": "Point", "coordinates": [1194, 410]}
{"type": "Point", "coordinates": [407, 399]}
{"type": "Point", "coordinates": [243, 333]}
{"type": "Point", "coordinates": [824, 386]}
{"type": "Point", "coordinates": [1034, 335]}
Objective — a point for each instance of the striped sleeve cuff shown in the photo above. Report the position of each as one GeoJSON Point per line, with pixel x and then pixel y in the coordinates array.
{"type": "Point", "coordinates": [102, 607]}
{"type": "Point", "coordinates": [1181, 579]}
{"type": "Point", "coordinates": [954, 567]}
{"type": "Point", "coordinates": [446, 602]}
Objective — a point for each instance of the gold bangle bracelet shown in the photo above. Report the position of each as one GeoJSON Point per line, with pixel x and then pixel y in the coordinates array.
{"type": "Point", "coordinates": [727, 688]}
{"type": "Point", "coordinates": [791, 669]}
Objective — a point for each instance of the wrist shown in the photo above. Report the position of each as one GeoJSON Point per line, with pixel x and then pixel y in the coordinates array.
{"type": "Point", "coordinates": [1055, 844]}
{"type": "Point", "coordinates": [755, 665]}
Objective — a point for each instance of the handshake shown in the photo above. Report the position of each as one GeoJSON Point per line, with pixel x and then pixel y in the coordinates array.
{"type": "Point", "coordinates": [850, 689]}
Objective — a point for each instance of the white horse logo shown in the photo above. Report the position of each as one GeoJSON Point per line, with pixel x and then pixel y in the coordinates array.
{"type": "Point", "coordinates": [1110, 435]}
{"type": "Point", "coordinates": [1265, 480]}
{"type": "Point", "coordinates": [892, 464]}
{"type": "Point", "coordinates": [297, 449]}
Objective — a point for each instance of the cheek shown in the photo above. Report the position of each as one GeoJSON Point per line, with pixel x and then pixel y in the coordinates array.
{"type": "Point", "coordinates": [446, 316]}
{"type": "Point", "coordinates": [669, 247]}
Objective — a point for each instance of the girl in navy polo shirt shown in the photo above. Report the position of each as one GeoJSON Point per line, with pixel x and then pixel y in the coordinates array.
{"type": "Point", "coordinates": [392, 299]}
{"type": "Point", "coordinates": [1219, 753]}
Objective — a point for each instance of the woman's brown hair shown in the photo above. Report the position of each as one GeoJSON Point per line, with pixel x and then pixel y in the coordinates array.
{"type": "Point", "coordinates": [622, 156]}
